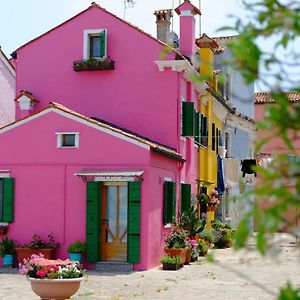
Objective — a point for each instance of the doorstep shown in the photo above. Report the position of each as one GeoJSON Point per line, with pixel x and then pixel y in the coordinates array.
{"type": "Point", "coordinates": [113, 266]}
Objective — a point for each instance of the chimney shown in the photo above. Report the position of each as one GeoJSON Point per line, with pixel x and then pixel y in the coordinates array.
{"type": "Point", "coordinates": [187, 12]}
{"type": "Point", "coordinates": [207, 46]}
{"type": "Point", "coordinates": [26, 102]}
{"type": "Point", "coordinates": [163, 22]}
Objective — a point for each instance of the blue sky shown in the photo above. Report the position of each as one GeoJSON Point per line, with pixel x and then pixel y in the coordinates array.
{"type": "Point", "coordinates": [23, 20]}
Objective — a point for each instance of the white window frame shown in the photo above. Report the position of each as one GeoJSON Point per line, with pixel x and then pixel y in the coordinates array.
{"type": "Point", "coordinates": [86, 42]}
{"type": "Point", "coordinates": [60, 140]}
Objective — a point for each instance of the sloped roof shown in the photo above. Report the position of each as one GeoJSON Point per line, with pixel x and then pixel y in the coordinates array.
{"type": "Point", "coordinates": [264, 97]}
{"type": "Point", "coordinates": [106, 11]}
{"type": "Point", "coordinates": [5, 60]}
{"type": "Point", "coordinates": [154, 146]}
{"type": "Point", "coordinates": [223, 42]}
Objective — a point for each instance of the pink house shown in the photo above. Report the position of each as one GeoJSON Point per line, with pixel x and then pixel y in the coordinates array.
{"type": "Point", "coordinates": [112, 160]}
{"type": "Point", "coordinates": [7, 90]}
{"type": "Point", "coordinates": [275, 146]}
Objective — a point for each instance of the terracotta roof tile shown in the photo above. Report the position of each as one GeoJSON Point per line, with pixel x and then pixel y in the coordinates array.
{"type": "Point", "coordinates": [223, 42]}
{"type": "Point", "coordinates": [264, 97]}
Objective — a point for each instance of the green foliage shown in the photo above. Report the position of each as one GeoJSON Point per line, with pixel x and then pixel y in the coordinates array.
{"type": "Point", "coordinates": [38, 243]}
{"type": "Point", "coordinates": [289, 293]}
{"type": "Point", "coordinates": [171, 260]}
{"type": "Point", "coordinates": [177, 238]}
{"type": "Point", "coordinates": [7, 246]}
{"type": "Point", "coordinates": [77, 247]}
{"type": "Point", "coordinates": [190, 222]}
{"type": "Point", "coordinates": [207, 235]}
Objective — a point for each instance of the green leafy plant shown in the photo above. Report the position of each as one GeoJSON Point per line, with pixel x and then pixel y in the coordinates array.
{"type": "Point", "coordinates": [38, 243]}
{"type": "Point", "coordinates": [171, 260]}
{"type": "Point", "coordinates": [7, 246]}
{"type": "Point", "coordinates": [176, 238]}
{"type": "Point", "coordinates": [77, 247]}
{"type": "Point", "coordinates": [190, 222]}
{"type": "Point", "coordinates": [93, 64]}
{"type": "Point", "coordinates": [207, 235]}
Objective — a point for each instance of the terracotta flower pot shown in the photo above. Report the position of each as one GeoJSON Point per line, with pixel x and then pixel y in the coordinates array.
{"type": "Point", "coordinates": [60, 289]}
{"type": "Point", "coordinates": [188, 254]}
{"type": "Point", "coordinates": [27, 252]}
{"type": "Point", "coordinates": [168, 266]}
{"type": "Point", "coordinates": [181, 252]}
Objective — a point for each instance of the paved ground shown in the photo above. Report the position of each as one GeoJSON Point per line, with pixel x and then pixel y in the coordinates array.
{"type": "Point", "coordinates": [243, 275]}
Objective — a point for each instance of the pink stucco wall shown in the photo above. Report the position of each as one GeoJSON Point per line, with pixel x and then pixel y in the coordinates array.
{"type": "Point", "coordinates": [7, 92]}
{"type": "Point", "coordinates": [136, 95]}
{"type": "Point", "coordinates": [49, 198]}
{"type": "Point", "coordinates": [276, 144]}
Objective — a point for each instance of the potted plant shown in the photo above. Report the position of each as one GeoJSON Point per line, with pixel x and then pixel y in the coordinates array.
{"type": "Point", "coordinates": [202, 201]}
{"type": "Point", "coordinates": [75, 250]}
{"type": "Point", "coordinates": [190, 222]}
{"type": "Point", "coordinates": [52, 279]}
{"type": "Point", "coordinates": [213, 201]}
{"type": "Point", "coordinates": [171, 263]}
{"type": "Point", "coordinates": [202, 247]}
{"type": "Point", "coordinates": [92, 64]}
{"type": "Point", "coordinates": [207, 235]}
{"type": "Point", "coordinates": [223, 234]}
{"type": "Point", "coordinates": [176, 243]}
{"type": "Point", "coordinates": [7, 250]}
{"type": "Point", "coordinates": [36, 246]}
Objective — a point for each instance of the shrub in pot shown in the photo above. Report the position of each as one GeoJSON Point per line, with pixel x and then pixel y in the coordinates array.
{"type": "Point", "coordinates": [176, 243]}
{"type": "Point", "coordinates": [7, 250]}
{"type": "Point", "coordinates": [37, 245]}
{"type": "Point", "coordinates": [171, 263]}
{"type": "Point", "coordinates": [207, 235]}
{"type": "Point", "coordinates": [75, 250]}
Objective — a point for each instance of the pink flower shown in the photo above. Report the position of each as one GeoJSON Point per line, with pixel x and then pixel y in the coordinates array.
{"type": "Point", "coordinates": [41, 273]}
{"type": "Point", "coordinates": [23, 271]}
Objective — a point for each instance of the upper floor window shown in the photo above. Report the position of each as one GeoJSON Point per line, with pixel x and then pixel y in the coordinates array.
{"type": "Point", "coordinates": [95, 44]}
{"type": "Point", "coordinates": [67, 139]}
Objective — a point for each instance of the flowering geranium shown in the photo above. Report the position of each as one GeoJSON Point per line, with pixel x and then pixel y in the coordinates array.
{"type": "Point", "coordinates": [177, 238]}
{"type": "Point", "coordinates": [39, 267]}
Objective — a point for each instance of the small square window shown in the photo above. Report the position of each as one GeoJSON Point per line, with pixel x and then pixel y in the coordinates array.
{"type": "Point", "coordinates": [67, 140]}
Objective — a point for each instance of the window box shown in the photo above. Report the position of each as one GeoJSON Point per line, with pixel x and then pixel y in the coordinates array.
{"type": "Point", "coordinates": [93, 64]}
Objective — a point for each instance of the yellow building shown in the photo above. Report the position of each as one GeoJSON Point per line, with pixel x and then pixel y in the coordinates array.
{"type": "Point", "coordinates": [213, 113]}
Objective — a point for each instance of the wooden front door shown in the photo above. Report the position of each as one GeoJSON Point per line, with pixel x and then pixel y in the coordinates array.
{"type": "Point", "coordinates": [114, 221]}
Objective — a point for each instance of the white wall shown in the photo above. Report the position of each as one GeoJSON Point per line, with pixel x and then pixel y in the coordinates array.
{"type": "Point", "coordinates": [7, 91]}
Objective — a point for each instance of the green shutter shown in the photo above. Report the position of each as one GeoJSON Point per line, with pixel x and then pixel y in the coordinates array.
{"type": "Point", "coordinates": [185, 197]}
{"type": "Point", "coordinates": [103, 43]}
{"type": "Point", "coordinates": [8, 199]}
{"type": "Point", "coordinates": [169, 201]}
{"type": "Point", "coordinates": [93, 213]}
{"type": "Point", "coordinates": [187, 119]}
{"type": "Point", "coordinates": [197, 125]}
{"type": "Point", "coordinates": [134, 214]}
{"type": "Point", "coordinates": [213, 137]}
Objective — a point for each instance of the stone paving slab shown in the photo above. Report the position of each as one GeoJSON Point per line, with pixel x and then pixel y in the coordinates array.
{"type": "Point", "coordinates": [235, 275]}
